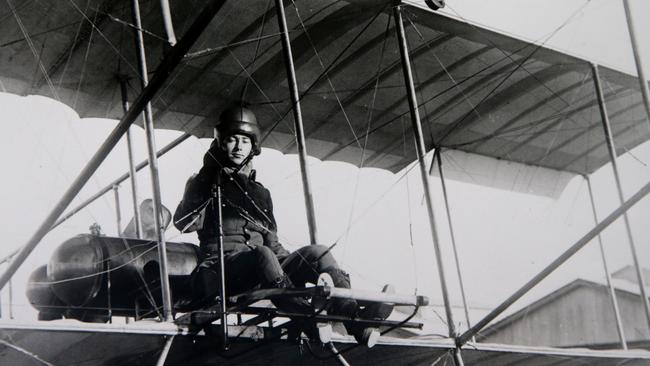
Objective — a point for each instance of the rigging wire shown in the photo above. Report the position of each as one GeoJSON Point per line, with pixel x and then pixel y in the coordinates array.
{"type": "Point", "coordinates": [257, 48]}
{"type": "Point", "coordinates": [552, 33]}
{"type": "Point", "coordinates": [368, 124]}
{"type": "Point", "coordinates": [38, 34]}
{"type": "Point", "coordinates": [468, 78]}
{"type": "Point", "coordinates": [131, 25]}
{"type": "Point", "coordinates": [473, 108]}
{"type": "Point", "coordinates": [566, 22]}
{"type": "Point", "coordinates": [410, 215]}
{"type": "Point", "coordinates": [25, 352]}
{"type": "Point", "coordinates": [20, 7]}
{"type": "Point", "coordinates": [69, 58]}
{"type": "Point", "coordinates": [259, 88]}
{"type": "Point", "coordinates": [326, 74]}
{"type": "Point", "coordinates": [30, 43]}
{"type": "Point", "coordinates": [557, 131]}
{"type": "Point", "coordinates": [37, 57]}
{"type": "Point", "coordinates": [101, 34]}
{"type": "Point", "coordinates": [83, 67]}
{"type": "Point", "coordinates": [458, 123]}
{"type": "Point", "coordinates": [332, 64]}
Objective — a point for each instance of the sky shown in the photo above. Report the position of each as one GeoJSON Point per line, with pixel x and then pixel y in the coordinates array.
{"type": "Point", "coordinates": [378, 219]}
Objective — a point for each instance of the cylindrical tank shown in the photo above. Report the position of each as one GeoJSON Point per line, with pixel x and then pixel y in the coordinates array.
{"type": "Point", "coordinates": [41, 296]}
{"type": "Point", "coordinates": [90, 273]}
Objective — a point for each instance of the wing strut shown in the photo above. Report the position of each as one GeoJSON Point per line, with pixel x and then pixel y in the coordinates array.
{"type": "Point", "coordinates": [608, 276]}
{"type": "Point", "coordinates": [164, 70]}
{"type": "Point", "coordinates": [134, 181]}
{"type": "Point", "coordinates": [643, 81]}
{"type": "Point", "coordinates": [117, 181]}
{"type": "Point", "coordinates": [297, 117]}
{"type": "Point", "coordinates": [612, 156]}
{"type": "Point", "coordinates": [421, 152]}
{"type": "Point", "coordinates": [153, 165]}
{"type": "Point", "coordinates": [438, 156]}
{"type": "Point", "coordinates": [644, 191]}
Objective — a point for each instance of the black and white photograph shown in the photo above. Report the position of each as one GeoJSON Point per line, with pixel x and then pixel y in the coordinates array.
{"type": "Point", "coordinates": [324, 182]}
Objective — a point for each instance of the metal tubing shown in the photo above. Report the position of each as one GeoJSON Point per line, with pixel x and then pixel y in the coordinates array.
{"type": "Point", "coordinates": [297, 118]}
{"type": "Point", "coordinates": [453, 237]}
{"type": "Point", "coordinates": [619, 188]}
{"type": "Point", "coordinates": [644, 191]}
{"type": "Point", "coordinates": [361, 295]}
{"type": "Point", "coordinates": [153, 167]}
{"type": "Point", "coordinates": [167, 22]}
{"type": "Point", "coordinates": [168, 64]}
{"type": "Point", "coordinates": [132, 170]}
{"type": "Point", "coordinates": [11, 300]}
{"type": "Point", "coordinates": [339, 357]}
{"type": "Point", "coordinates": [222, 267]}
{"type": "Point", "coordinates": [165, 351]}
{"type": "Point", "coordinates": [421, 151]}
{"type": "Point", "coordinates": [119, 180]}
{"type": "Point", "coordinates": [118, 213]}
{"type": "Point", "coordinates": [608, 276]}
{"type": "Point", "coordinates": [643, 81]}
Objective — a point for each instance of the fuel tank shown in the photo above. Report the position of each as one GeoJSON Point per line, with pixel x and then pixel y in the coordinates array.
{"type": "Point", "coordinates": [89, 276]}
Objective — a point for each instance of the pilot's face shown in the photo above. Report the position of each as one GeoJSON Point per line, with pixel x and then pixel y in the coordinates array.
{"type": "Point", "coordinates": [237, 147]}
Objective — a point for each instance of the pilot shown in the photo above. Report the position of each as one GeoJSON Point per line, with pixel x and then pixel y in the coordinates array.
{"type": "Point", "coordinates": [253, 256]}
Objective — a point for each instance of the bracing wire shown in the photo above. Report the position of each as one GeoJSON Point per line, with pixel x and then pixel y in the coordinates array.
{"type": "Point", "coordinates": [257, 48]}
{"type": "Point", "coordinates": [261, 90]}
{"type": "Point", "coordinates": [38, 34]}
{"type": "Point", "coordinates": [550, 146]}
{"type": "Point", "coordinates": [32, 47]}
{"type": "Point", "coordinates": [552, 33]}
{"type": "Point", "coordinates": [101, 34]}
{"type": "Point", "coordinates": [410, 215]}
{"type": "Point", "coordinates": [430, 99]}
{"type": "Point", "coordinates": [451, 78]}
{"type": "Point", "coordinates": [323, 73]}
{"type": "Point", "coordinates": [30, 43]}
{"type": "Point", "coordinates": [131, 25]}
{"type": "Point", "coordinates": [83, 67]}
{"type": "Point", "coordinates": [368, 124]}
{"type": "Point", "coordinates": [25, 352]}
{"type": "Point", "coordinates": [329, 80]}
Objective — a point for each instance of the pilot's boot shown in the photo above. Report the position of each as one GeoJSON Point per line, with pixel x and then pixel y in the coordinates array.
{"type": "Point", "coordinates": [295, 304]}
{"type": "Point", "coordinates": [366, 336]}
{"type": "Point", "coordinates": [343, 307]}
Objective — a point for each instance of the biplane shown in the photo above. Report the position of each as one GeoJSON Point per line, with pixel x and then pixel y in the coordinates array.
{"type": "Point", "coordinates": [344, 80]}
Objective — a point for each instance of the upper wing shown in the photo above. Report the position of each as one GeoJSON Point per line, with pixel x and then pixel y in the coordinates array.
{"type": "Point", "coordinates": [479, 91]}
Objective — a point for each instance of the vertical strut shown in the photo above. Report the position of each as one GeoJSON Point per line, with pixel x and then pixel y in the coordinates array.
{"type": "Point", "coordinates": [608, 276]}
{"type": "Point", "coordinates": [167, 21]}
{"type": "Point", "coordinates": [118, 211]}
{"type": "Point", "coordinates": [421, 151]}
{"type": "Point", "coordinates": [643, 81]}
{"type": "Point", "coordinates": [11, 300]}
{"type": "Point", "coordinates": [297, 117]}
{"type": "Point", "coordinates": [612, 156]}
{"type": "Point", "coordinates": [132, 170]}
{"type": "Point", "coordinates": [165, 68]}
{"type": "Point", "coordinates": [153, 166]}
{"type": "Point", "coordinates": [453, 236]}
{"type": "Point", "coordinates": [216, 191]}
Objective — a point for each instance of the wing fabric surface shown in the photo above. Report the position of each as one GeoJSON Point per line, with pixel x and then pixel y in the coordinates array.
{"type": "Point", "coordinates": [479, 91]}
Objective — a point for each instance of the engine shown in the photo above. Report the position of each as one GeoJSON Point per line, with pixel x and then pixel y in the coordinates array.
{"type": "Point", "coordinates": [91, 278]}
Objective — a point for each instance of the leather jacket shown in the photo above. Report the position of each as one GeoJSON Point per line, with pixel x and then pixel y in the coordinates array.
{"type": "Point", "coordinates": [247, 209]}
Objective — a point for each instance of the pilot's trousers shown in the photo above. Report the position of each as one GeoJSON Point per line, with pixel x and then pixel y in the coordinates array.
{"type": "Point", "coordinates": [260, 267]}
